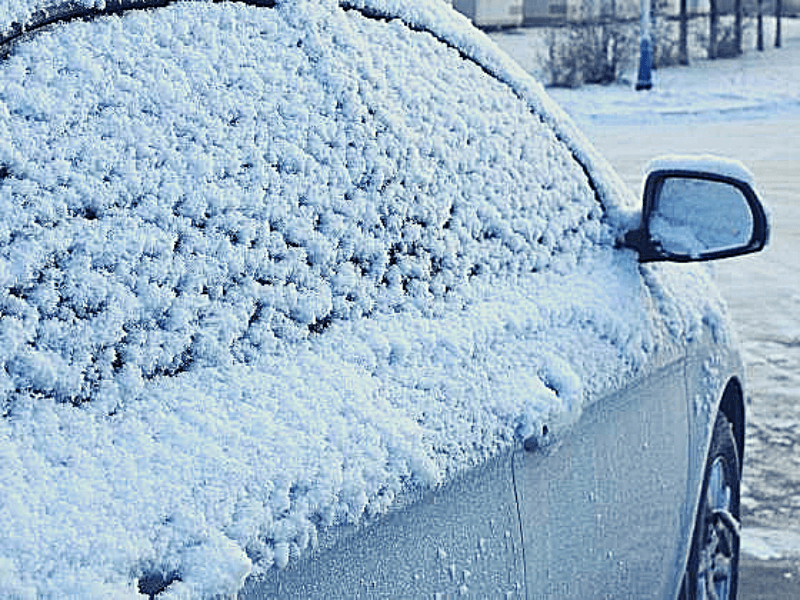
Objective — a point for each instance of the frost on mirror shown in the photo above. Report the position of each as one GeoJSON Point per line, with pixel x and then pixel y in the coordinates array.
{"type": "Point", "coordinates": [693, 217]}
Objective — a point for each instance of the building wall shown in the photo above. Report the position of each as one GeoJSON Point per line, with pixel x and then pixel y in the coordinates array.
{"type": "Point", "coordinates": [542, 11]}
{"type": "Point", "coordinates": [491, 13]}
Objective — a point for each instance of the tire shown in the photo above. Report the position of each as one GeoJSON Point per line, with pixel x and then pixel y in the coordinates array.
{"type": "Point", "coordinates": [713, 568]}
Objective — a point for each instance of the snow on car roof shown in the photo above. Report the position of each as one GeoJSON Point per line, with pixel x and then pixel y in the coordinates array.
{"type": "Point", "coordinates": [244, 298]}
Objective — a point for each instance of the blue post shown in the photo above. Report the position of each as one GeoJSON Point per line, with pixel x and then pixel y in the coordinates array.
{"type": "Point", "coordinates": [644, 82]}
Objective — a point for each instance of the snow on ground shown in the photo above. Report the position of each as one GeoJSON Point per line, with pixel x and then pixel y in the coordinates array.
{"type": "Point", "coordinates": [754, 84]}
{"type": "Point", "coordinates": [749, 109]}
{"type": "Point", "coordinates": [767, 544]}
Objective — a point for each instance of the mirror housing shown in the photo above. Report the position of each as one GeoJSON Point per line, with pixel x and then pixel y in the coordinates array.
{"type": "Point", "coordinates": [697, 215]}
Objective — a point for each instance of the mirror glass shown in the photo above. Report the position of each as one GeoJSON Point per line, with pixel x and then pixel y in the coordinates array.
{"type": "Point", "coordinates": [693, 217]}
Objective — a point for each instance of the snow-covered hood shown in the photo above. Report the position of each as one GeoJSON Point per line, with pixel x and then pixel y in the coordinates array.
{"type": "Point", "coordinates": [215, 342]}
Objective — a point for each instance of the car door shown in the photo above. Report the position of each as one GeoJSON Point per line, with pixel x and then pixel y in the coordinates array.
{"type": "Point", "coordinates": [603, 510]}
{"type": "Point", "coordinates": [462, 539]}
{"type": "Point", "coordinates": [600, 507]}
{"type": "Point", "coordinates": [603, 507]}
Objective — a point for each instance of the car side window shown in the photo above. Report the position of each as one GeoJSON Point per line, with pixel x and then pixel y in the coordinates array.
{"type": "Point", "coordinates": [479, 173]}
{"type": "Point", "coordinates": [365, 167]}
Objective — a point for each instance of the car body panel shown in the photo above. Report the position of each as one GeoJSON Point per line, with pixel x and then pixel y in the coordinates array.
{"type": "Point", "coordinates": [628, 464]}
{"type": "Point", "coordinates": [715, 381]}
{"type": "Point", "coordinates": [460, 539]}
{"type": "Point", "coordinates": [604, 510]}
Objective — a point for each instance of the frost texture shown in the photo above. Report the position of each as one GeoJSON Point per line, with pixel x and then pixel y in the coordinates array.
{"type": "Point", "coordinates": [262, 268]}
{"type": "Point", "coordinates": [192, 212]}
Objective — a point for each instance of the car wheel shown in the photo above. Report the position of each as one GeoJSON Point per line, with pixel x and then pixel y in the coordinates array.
{"type": "Point", "coordinates": [713, 567]}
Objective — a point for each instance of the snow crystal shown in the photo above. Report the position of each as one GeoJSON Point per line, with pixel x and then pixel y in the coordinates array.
{"type": "Point", "coordinates": [261, 269]}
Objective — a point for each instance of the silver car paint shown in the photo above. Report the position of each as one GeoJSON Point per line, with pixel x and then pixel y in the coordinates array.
{"type": "Point", "coordinates": [462, 539]}
{"type": "Point", "coordinates": [606, 512]}
{"type": "Point", "coordinates": [603, 514]}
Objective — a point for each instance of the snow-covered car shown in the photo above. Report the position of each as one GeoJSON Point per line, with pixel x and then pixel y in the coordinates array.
{"type": "Point", "coordinates": [319, 299]}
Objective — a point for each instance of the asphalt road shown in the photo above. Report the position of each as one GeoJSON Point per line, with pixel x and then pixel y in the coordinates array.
{"type": "Point", "coordinates": [763, 293]}
{"type": "Point", "coordinates": [769, 580]}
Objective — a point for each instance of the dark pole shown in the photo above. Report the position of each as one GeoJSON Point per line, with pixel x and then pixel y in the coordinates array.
{"type": "Point", "coordinates": [760, 26]}
{"type": "Point", "coordinates": [713, 18]}
{"type": "Point", "coordinates": [778, 12]}
{"type": "Point", "coordinates": [644, 82]}
{"type": "Point", "coordinates": [737, 28]}
{"type": "Point", "coordinates": [683, 36]}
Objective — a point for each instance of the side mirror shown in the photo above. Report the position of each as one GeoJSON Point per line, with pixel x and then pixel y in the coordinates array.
{"type": "Point", "coordinates": [693, 215]}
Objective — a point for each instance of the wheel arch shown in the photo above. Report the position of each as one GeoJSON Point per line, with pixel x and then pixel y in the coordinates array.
{"type": "Point", "coordinates": [732, 405]}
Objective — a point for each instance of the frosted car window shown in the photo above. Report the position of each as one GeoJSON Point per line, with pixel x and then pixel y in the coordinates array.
{"type": "Point", "coordinates": [172, 201]}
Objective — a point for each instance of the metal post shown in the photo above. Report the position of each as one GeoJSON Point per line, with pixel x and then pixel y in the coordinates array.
{"type": "Point", "coordinates": [644, 82]}
{"type": "Point", "coordinates": [683, 35]}
{"type": "Point", "coordinates": [760, 27]}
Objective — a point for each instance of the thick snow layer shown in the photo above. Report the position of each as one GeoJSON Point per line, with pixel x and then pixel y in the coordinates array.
{"type": "Point", "coordinates": [456, 30]}
{"type": "Point", "coordinates": [18, 11]}
{"type": "Point", "coordinates": [704, 163]}
{"type": "Point", "coordinates": [262, 268]}
{"type": "Point", "coordinates": [620, 205]}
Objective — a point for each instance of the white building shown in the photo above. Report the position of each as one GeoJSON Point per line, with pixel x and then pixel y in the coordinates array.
{"type": "Point", "coordinates": [492, 13]}
{"type": "Point", "coordinates": [510, 13]}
